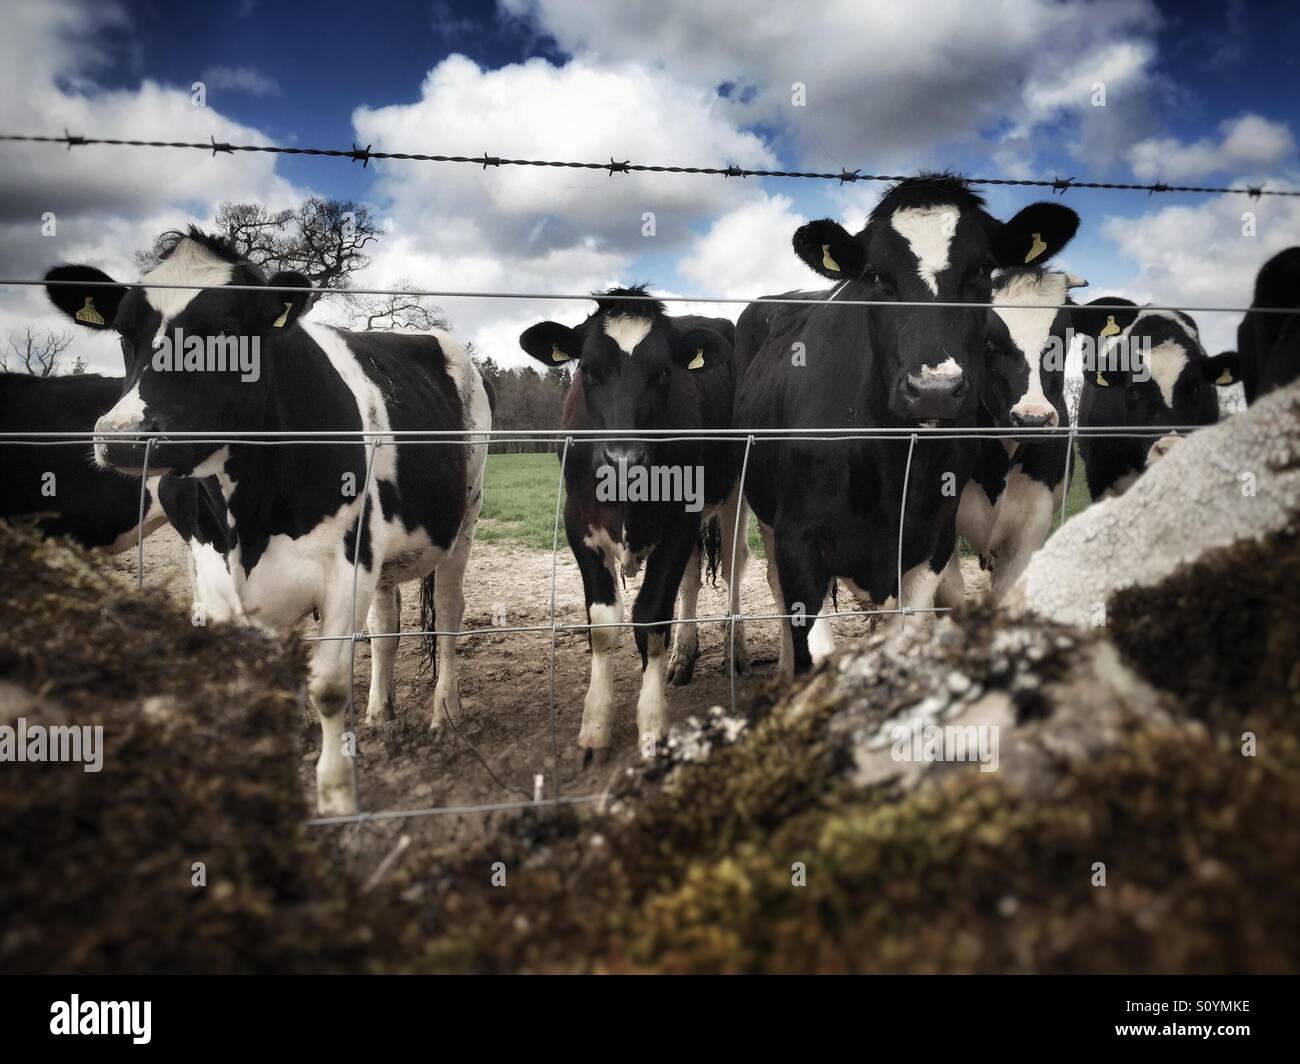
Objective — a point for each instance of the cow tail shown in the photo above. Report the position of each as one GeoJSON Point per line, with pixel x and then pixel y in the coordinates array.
{"type": "Point", "coordinates": [428, 623]}
{"type": "Point", "coordinates": [711, 547]}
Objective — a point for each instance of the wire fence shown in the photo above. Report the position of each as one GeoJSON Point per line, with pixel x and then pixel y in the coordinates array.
{"type": "Point", "coordinates": [1058, 185]}
{"type": "Point", "coordinates": [564, 439]}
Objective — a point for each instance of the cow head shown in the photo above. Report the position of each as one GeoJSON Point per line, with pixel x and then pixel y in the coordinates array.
{"type": "Point", "coordinates": [930, 240]}
{"type": "Point", "coordinates": [195, 359]}
{"type": "Point", "coordinates": [633, 364]}
{"type": "Point", "coordinates": [1024, 372]}
{"type": "Point", "coordinates": [1148, 370]}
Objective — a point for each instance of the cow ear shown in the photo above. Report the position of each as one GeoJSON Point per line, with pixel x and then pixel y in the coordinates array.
{"type": "Point", "coordinates": [701, 349]}
{"type": "Point", "coordinates": [92, 305]}
{"type": "Point", "coordinates": [1035, 234]}
{"type": "Point", "coordinates": [826, 248]}
{"type": "Point", "coordinates": [288, 307]}
{"type": "Point", "coordinates": [1222, 369]}
{"type": "Point", "coordinates": [1105, 378]}
{"type": "Point", "coordinates": [1103, 318]}
{"type": "Point", "coordinates": [551, 343]}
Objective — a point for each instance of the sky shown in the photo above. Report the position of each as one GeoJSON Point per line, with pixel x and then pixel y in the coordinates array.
{"type": "Point", "coordinates": [1123, 90]}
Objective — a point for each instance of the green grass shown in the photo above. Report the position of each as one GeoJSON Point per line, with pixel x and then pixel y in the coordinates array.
{"type": "Point", "coordinates": [519, 502]}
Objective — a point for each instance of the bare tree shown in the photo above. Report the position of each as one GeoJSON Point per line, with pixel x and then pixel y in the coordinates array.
{"type": "Point", "coordinates": [38, 352]}
{"type": "Point", "coordinates": [323, 239]}
{"type": "Point", "coordinates": [405, 310]}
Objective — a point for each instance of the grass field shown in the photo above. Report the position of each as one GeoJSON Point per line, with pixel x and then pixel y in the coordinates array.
{"type": "Point", "coordinates": [519, 501]}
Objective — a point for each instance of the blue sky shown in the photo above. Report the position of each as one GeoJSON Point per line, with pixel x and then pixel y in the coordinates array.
{"type": "Point", "coordinates": [1195, 93]}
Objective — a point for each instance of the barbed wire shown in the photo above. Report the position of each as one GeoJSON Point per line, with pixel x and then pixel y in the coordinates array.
{"type": "Point", "coordinates": [1058, 185]}
{"type": "Point", "coordinates": [808, 300]}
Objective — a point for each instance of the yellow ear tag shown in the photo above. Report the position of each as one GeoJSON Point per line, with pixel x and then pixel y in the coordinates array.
{"type": "Point", "coordinates": [1037, 249]}
{"type": "Point", "coordinates": [1224, 378]}
{"type": "Point", "coordinates": [279, 322]}
{"type": "Point", "coordinates": [1102, 380]}
{"type": "Point", "coordinates": [698, 361]}
{"type": "Point", "coordinates": [557, 355]}
{"type": "Point", "coordinates": [1111, 328]}
{"type": "Point", "coordinates": [89, 314]}
{"type": "Point", "coordinates": [827, 261]}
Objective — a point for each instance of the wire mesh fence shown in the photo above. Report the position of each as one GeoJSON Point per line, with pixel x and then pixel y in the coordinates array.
{"type": "Point", "coordinates": [564, 439]}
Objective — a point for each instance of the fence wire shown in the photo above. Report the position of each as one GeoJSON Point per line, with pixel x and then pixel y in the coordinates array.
{"type": "Point", "coordinates": [564, 438]}
{"type": "Point", "coordinates": [1058, 185]}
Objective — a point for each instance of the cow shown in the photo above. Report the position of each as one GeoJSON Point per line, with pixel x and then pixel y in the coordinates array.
{"type": "Point", "coordinates": [57, 483]}
{"type": "Point", "coordinates": [637, 369]}
{"type": "Point", "coordinates": [219, 360]}
{"type": "Point", "coordinates": [1007, 506]}
{"type": "Point", "coordinates": [1143, 369]}
{"type": "Point", "coordinates": [832, 509]}
{"type": "Point", "coordinates": [1268, 345]}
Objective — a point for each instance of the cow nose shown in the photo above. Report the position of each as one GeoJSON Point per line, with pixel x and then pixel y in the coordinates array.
{"type": "Point", "coordinates": [1026, 419]}
{"type": "Point", "coordinates": [633, 456]}
{"type": "Point", "coordinates": [928, 395]}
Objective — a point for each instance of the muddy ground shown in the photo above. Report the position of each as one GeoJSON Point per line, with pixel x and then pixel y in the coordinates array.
{"type": "Point", "coordinates": [505, 696]}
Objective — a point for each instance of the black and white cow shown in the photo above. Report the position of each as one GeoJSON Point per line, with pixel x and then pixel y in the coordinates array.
{"type": "Point", "coordinates": [1268, 345]}
{"type": "Point", "coordinates": [1007, 505]}
{"type": "Point", "coordinates": [292, 509]}
{"type": "Point", "coordinates": [60, 481]}
{"type": "Point", "coordinates": [833, 509]}
{"type": "Point", "coordinates": [639, 368]}
{"type": "Point", "coordinates": [1146, 370]}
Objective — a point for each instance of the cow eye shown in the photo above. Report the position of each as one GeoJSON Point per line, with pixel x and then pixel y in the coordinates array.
{"type": "Point", "coordinates": [871, 276]}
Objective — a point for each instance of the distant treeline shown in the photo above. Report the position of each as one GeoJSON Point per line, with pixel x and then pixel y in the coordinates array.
{"type": "Point", "coordinates": [525, 400]}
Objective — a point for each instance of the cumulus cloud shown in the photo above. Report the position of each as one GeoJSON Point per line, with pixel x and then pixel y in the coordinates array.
{"type": "Point", "coordinates": [1248, 142]}
{"type": "Point", "coordinates": [102, 206]}
{"type": "Point", "coordinates": [893, 80]}
{"type": "Point", "coordinates": [548, 229]}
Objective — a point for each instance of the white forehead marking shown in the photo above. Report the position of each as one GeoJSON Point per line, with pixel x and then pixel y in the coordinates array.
{"type": "Point", "coordinates": [627, 331]}
{"type": "Point", "coordinates": [928, 232]}
{"type": "Point", "coordinates": [189, 263]}
{"type": "Point", "coordinates": [1028, 326]}
{"type": "Point", "coordinates": [1167, 360]}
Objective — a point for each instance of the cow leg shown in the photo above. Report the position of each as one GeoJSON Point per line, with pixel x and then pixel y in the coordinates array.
{"type": "Point", "coordinates": [821, 640]}
{"type": "Point", "coordinates": [735, 513]}
{"type": "Point", "coordinates": [449, 608]}
{"type": "Point", "coordinates": [785, 661]}
{"type": "Point", "coordinates": [804, 581]}
{"type": "Point", "coordinates": [1024, 520]}
{"type": "Point", "coordinates": [654, 606]}
{"type": "Point", "coordinates": [329, 682]}
{"type": "Point", "coordinates": [952, 585]}
{"type": "Point", "coordinates": [604, 607]}
{"type": "Point", "coordinates": [385, 616]}
{"type": "Point", "coordinates": [686, 640]}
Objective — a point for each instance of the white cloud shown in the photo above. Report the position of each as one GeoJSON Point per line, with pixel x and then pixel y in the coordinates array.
{"type": "Point", "coordinates": [541, 228]}
{"type": "Point", "coordinates": [1199, 255]}
{"type": "Point", "coordinates": [106, 202]}
{"type": "Point", "coordinates": [240, 79]}
{"type": "Point", "coordinates": [1249, 142]}
{"type": "Point", "coordinates": [885, 82]}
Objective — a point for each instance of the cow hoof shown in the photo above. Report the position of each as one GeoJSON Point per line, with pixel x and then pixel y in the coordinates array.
{"type": "Point", "coordinates": [681, 669]}
{"type": "Point", "coordinates": [743, 667]}
{"type": "Point", "coordinates": [599, 756]}
{"type": "Point", "coordinates": [337, 800]}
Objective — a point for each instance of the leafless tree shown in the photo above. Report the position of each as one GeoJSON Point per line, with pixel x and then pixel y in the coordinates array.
{"type": "Point", "coordinates": [323, 239]}
{"type": "Point", "coordinates": [399, 311]}
{"type": "Point", "coordinates": [38, 352]}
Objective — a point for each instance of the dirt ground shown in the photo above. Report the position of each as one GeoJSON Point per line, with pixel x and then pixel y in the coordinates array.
{"type": "Point", "coordinates": [505, 695]}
